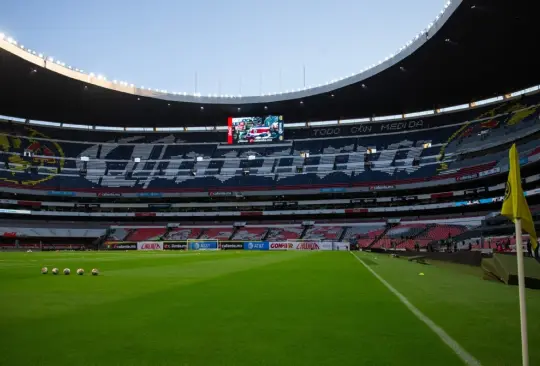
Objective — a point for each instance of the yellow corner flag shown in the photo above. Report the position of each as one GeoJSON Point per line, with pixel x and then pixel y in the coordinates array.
{"type": "Point", "coordinates": [515, 205]}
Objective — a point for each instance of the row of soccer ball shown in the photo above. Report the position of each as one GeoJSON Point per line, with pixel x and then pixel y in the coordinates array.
{"type": "Point", "coordinates": [67, 271]}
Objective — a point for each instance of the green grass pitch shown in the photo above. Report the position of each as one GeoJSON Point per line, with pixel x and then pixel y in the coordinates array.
{"type": "Point", "coordinates": [252, 308]}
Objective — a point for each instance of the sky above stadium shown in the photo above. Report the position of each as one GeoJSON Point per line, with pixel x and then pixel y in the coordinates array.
{"type": "Point", "coordinates": [246, 47]}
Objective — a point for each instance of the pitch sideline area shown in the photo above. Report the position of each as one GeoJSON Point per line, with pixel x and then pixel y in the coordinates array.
{"type": "Point", "coordinates": [250, 308]}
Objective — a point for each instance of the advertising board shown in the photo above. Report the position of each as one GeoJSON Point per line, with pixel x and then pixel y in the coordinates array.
{"type": "Point", "coordinates": [301, 245]}
{"type": "Point", "coordinates": [256, 245]}
{"type": "Point", "coordinates": [175, 246]}
{"type": "Point", "coordinates": [150, 245]}
{"type": "Point", "coordinates": [203, 245]}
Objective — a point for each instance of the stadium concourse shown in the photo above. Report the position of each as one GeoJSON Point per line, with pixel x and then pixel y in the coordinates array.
{"type": "Point", "coordinates": [299, 195]}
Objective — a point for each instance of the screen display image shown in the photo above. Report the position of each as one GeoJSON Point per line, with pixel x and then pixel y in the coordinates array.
{"type": "Point", "coordinates": [255, 129]}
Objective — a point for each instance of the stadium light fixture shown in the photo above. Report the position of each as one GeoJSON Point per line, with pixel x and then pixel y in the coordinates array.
{"type": "Point", "coordinates": [137, 160]}
{"type": "Point", "coordinates": [200, 158]}
{"type": "Point", "coordinates": [85, 158]}
{"type": "Point", "coordinates": [251, 157]}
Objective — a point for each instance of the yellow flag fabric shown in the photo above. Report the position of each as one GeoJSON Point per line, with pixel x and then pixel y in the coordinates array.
{"type": "Point", "coordinates": [515, 205]}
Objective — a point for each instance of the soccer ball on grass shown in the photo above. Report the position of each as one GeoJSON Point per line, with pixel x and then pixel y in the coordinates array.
{"type": "Point", "coordinates": [95, 272]}
{"type": "Point", "coordinates": [44, 270]}
{"type": "Point", "coordinates": [66, 271]}
{"type": "Point", "coordinates": [55, 271]}
{"type": "Point", "coordinates": [80, 271]}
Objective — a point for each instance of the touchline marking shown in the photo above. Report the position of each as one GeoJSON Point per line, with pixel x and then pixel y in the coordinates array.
{"type": "Point", "coordinates": [466, 357]}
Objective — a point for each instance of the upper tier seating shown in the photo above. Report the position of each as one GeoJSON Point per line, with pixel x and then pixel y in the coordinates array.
{"type": "Point", "coordinates": [41, 157]}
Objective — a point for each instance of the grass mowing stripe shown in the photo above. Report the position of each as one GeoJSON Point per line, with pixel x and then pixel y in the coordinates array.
{"type": "Point", "coordinates": [466, 357]}
{"type": "Point", "coordinates": [284, 308]}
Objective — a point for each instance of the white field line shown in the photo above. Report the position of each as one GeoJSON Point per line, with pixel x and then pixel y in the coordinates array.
{"type": "Point", "coordinates": [466, 357]}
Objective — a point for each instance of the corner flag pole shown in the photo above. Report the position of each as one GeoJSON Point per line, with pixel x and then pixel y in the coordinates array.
{"type": "Point", "coordinates": [522, 301]}
{"type": "Point", "coordinates": [516, 209]}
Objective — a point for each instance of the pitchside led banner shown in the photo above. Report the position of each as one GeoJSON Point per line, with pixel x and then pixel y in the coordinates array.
{"type": "Point", "coordinates": [203, 245]}
{"type": "Point", "coordinates": [150, 245]}
{"type": "Point", "coordinates": [256, 245]}
{"type": "Point", "coordinates": [305, 245]}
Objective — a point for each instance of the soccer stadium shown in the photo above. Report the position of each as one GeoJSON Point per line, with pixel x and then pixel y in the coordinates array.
{"type": "Point", "coordinates": [356, 222]}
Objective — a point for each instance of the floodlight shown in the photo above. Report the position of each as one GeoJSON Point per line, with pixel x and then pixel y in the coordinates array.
{"type": "Point", "coordinates": [85, 158]}
{"type": "Point", "coordinates": [137, 160]}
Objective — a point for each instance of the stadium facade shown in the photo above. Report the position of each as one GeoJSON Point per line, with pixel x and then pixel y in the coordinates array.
{"type": "Point", "coordinates": [405, 153]}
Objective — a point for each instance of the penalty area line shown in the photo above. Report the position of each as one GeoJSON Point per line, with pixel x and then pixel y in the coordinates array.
{"type": "Point", "coordinates": [465, 356]}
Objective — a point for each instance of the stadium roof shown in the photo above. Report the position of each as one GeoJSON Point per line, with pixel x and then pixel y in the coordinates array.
{"type": "Point", "coordinates": [474, 50]}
